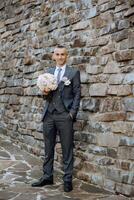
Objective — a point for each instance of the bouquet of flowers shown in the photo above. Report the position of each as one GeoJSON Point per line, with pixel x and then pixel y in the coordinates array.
{"type": "Point", "coordinates": [47, 81]}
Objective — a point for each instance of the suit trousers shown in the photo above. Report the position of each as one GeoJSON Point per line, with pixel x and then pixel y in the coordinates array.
{"type": "Point", "coordinates": [63, 124]}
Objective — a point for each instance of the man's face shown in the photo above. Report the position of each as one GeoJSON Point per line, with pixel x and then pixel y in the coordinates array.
{"type": "Point", "coordinates": [60, 56]}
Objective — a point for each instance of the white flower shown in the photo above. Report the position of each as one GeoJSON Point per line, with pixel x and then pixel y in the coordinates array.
{"type": "Point", "coordinates": [66, 81]}
{"type": "Point", "coordinates": [47, 81]}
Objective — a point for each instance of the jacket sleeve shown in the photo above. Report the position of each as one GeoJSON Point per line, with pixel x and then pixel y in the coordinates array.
{"type": "Point", "coordinates": [76, 94]}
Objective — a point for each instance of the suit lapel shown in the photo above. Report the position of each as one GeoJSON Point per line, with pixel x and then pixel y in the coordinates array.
{"type": "Point", "coordinates": [67, 75]}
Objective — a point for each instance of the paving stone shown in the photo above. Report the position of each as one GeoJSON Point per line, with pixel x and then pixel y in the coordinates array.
{"type": "Point", "coordinates": [7, 195]}
{"type": "Point", "coordinates": [16, 177]}
{"type": "Point", "coordinates": [4, 155]}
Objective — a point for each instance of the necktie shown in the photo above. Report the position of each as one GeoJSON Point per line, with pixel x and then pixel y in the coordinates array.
{"type": "Point", "coordinates": [58, 75]}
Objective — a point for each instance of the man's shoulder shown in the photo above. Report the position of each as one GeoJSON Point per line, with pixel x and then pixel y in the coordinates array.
{"type": "Point", "coordinates": [50, 69]}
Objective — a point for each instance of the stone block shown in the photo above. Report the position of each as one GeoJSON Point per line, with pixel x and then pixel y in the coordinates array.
{"type": "Point", "coordinates": [84, 77]}
{"type": "Point", "coordinates": [84, 176]}
{"type": "Point", "coordinates": [123, 24]}
{"type": "Point", "coordinates": [13, 100]}
{"type": "Point", "coordinates": [126, 152]}
{"type": "Point", "coordinates": [6, 34]}
{"type": "Point", "coordinates": [81, 25]}
{"type": "Point", "coordinates": [126, 141]}
{"type": "Point", "coordinates": [121, 7]}
{"type": "Point", "coordinates": [75, 17]}
{"type": "Point", "coordinates": [97, 42]}
{"type": "Point", "coordinates": [124, 55]}
{"type": "Point", "coordinates": [119, 90]}
{"type": "Point", "coordinates": [103, 60]}
{"type": "Point", "coordinates": [90, 13]}
{"type": "Point", "coordinates": [28, 60]}
{"type": "Point", "coordinates": [105, 161]}
{"type": "Point", "coordinates": [97, 179]}
{"type": "Point", "coordinates": [124, 90]}
{"type": "Point", "coordinates": [110, 116]}
{"type": "Point", "coordinates": [129, 78]}
{"type": "Point", "coordinates": [116, 79]}
{"type": "Point", "coordinates": [104, 31]}
{"type": "Point", "coordinates": [130, 117]}
{"type": "Point", "coordinates": [97, 127]}
{"type": "Point", "coordinates": [89, 167]}
{"type": "Point", "coordinates": [123, 164]}
{"type": "Point", "coordinates": [90, 51]}
{"type": "Point", "coordinates": [121, 35]}
{"type": "Point", "coordinates": [109, 185]}
{"type": "Point", "coordinates": [108, 139]}
{"type": "Point", "coordinates": [93, 69]}
{"type": "Point", "coordinates": [100, 78]}
{"type": "Point", "coordinates": [131, 40]}
{"type": "Point", "coordinates": [112, 152]}
{"type": "Point", "coordinates": [116, 175]}
{"type": "Point", "coordinates": [106, 6]}
{"type": "Point", "coordinates": [99, 22]}
{"type": "Point", "coordinates": [77, 163]}
{"type": "Point", "coordinates": [125, 189]}
{"type": "Point", "coordinates": [122, 127]}
{"type": "Point", "coordinates": [31, 91]}
{"type": "Point", "coordinates": [111, 68]}
{"type": "Point", "coordinates": [84, 90]}
{"type": "Point", "coordinates": [77, 43]}
{"type": "Point", "coordinates": [4, 98]}
{"type": "Point", "coordinates": [123, 45]}
{"type": "Point", "coordinates": [13, 20]}
{"type": "Point", "coordinates": [96, 150]}
{"type": "Point", "coordinates": [129, 12]}
{"type": "Point", "coordinates": [14, 90]}
{"type": "Point", "coordinates": [110, 48]}
{"type": "Point", "coordinates": [90, 104]}
{"type": "Point", "coordinates": [129, 104]}
{"type": "Point", "coordinates": [98, 89]}
{"type": "Point", "coordinates": [79, 125]}
{"type": "Point", "coordinates": [78, 60]}
{"type": "Point", "coordinates": [2, 24]}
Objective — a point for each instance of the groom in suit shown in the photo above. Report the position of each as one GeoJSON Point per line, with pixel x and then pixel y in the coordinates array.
{"type": "Point", "coordinates": [59, 114]}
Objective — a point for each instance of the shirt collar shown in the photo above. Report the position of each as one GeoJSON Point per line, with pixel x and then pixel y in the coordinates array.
{"type": "Point", "coordinates": [63, 67]}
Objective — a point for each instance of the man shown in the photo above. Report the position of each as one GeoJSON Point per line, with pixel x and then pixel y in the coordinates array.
{"type": "Point", "coordinates": [59, 114]}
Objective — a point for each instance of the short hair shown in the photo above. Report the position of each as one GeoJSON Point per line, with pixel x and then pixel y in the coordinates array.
{"type": "Point", "coordinates": [60, 46]}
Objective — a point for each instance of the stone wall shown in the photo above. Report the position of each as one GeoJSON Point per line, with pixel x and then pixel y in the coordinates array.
{"type": "Point", "coordinates": [100, 37]}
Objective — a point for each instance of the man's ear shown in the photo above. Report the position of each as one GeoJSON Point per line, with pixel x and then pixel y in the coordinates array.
{"type": "Point", "coordinates": [53, 57]}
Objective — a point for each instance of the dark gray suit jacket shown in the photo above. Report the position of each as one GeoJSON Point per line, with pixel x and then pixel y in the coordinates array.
{"type": "Point", "coordinates": [70, 94]}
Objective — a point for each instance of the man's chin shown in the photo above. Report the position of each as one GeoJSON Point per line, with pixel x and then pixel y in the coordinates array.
{"type": "Point", "coordinates": [61, 64]}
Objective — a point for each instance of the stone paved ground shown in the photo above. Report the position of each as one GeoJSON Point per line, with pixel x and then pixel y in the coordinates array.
{"type": "Point", "coordinates": [18, 169]}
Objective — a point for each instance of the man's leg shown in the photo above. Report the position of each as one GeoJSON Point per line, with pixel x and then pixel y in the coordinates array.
{"type": "Point", "coordinates": [64, 124]}
{"type": "Point", "coordinates": [49, 132]}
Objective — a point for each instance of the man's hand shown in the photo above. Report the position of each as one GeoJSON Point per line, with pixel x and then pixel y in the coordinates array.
{"type": "Point", "coordinates": [46, 91]}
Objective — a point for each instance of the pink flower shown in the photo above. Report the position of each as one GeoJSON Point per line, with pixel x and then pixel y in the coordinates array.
{"type": "Point", "coordinates": [47, 81]}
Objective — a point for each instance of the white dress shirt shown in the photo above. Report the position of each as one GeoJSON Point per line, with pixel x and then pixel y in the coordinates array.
{"type": "Point", "coordinates": [62, 71]}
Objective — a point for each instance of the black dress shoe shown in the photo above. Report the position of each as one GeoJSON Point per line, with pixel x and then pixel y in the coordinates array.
{"type": "Point", "coordinates": [68, 186]}
{"type": "Point", "coordinates": [42, 181]}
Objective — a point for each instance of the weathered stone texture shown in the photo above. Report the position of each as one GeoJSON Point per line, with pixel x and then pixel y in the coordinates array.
{"type": "Point", "coordinates": [100, 38]}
